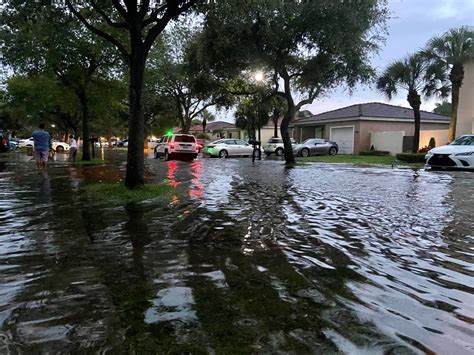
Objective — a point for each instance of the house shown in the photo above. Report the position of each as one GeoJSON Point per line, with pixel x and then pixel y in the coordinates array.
{"type": "Point", "coordinates": [357, 127]}
{"type": "Point", "coordinates": [217, 130]}
{"type": "Point", "coordinates": [465, 121]}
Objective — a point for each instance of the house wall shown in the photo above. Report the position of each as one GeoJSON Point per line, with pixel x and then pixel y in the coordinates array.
{"type": "Point", "coordinates": [440, 136]}
{"type": "Point", "coordinates": [465, 122]}
{"type": "Point", "coordinates": [267, 133]}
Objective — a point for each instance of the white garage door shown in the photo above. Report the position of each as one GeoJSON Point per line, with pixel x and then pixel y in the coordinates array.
{"type": "Point", "coordinates": [344, 137]}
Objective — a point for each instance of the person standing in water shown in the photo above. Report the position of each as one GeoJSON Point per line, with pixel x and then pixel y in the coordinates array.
{"type": "Point", "coordinates": [41, 140]}
{"type": "Point", "coordinates": [72, 148]}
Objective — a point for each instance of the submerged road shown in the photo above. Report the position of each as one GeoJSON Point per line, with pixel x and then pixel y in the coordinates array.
{"type": "Point", "coordinates": [246, 259]}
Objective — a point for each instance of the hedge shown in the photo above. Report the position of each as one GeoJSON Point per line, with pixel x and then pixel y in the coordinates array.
{"type": "Point", "coordinates": [375, 152]}
{"type": "Point", "coordinates": [411, 157]}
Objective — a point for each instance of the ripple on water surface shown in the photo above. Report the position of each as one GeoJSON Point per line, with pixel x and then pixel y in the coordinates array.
{"type": "Point", "coordinates": [248, 258]}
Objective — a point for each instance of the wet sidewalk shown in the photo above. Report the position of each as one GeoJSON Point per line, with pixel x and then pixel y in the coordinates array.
{"type": "Point", "coordinates": [247, 258]}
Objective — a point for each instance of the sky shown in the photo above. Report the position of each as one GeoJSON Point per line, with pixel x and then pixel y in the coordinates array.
{"type": "Point", "coordinates": [411, 25]}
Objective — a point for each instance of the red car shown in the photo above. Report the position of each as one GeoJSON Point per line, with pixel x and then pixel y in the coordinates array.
{"type": "Point", "coordinates": [201, 143]}
{"type": "Point", "coordinates": [4, 144]}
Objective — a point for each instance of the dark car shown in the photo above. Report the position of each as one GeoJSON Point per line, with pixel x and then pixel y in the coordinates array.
{"type": "Point", "coordinates": [316, 146]}
{"type": "Point", "coordinates": [4, 143]}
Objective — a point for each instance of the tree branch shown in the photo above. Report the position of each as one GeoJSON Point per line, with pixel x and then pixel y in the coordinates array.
{"type": "Point", "coordinates": [153, 16]}
{"type": "Point", "coordinates": [99, 32]}
{"type": "Point", "coordinates": [160, 25]}
{"type": "Point", "coordinates": [107, 18]}
{"type": "Point", "coordinates": [120, 9]}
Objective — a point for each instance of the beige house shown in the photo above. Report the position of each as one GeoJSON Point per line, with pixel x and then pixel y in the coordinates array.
{"type": "Point", "coordinates": [354, 127]}
{"type": "Point", "coordinates": [217, 130]}
{"type": "Point", "coordinates": [465, 122]}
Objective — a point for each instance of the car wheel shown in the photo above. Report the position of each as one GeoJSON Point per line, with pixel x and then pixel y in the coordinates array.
{"type": "Point", "coordinates": [156, 154]}
{"type": "Point", "coordinates": [167, 155]}
{"type": "Point", "coordinates": [279, 152]}
{"type": "Point", "coordinates": [305, 152]}
{"type": "Point", "coordinates": [223, 154]}
{"type": "Point", "coordinates": [332, 151]}
{"type": "Point", "coordinates": [60, 149]}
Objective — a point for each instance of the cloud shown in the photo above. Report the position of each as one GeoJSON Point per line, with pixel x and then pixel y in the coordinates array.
{"type": "Point", "coordinates": [452, 9]}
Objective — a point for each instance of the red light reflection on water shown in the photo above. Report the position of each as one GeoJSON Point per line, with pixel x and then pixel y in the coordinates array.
{"type": "Point", "coordinates": [196, 189]}
{"type": "Point", "coordinates": [193, 188]}
{"type": "Point", "coordinates": [172, 167]}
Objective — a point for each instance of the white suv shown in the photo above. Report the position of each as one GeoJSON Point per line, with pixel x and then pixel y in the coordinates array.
{"type": "Point", "coordinates": [275, 146]}
{"type": "Point", "coordinates": [177, 146]}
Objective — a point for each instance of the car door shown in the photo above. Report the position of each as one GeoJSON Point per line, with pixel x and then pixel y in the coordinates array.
{"type": "Point", "coordinates": [243, 147]}
{"type": "Point", "coordinates": [319, 147]}
{"type": "Point", "coordinates": [231, 147]}
{"type": "Point", "coordinates": [160, 148]}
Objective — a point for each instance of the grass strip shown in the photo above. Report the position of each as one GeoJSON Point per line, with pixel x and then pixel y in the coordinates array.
{"type": "Point", "coordinates": [359, 160]}
{"type": "Point", "coordinates": [119, 193]}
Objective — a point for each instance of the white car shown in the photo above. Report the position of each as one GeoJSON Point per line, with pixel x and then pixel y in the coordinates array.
{"type": "Point", "coordinates": [459, 154]}
{"type": "Point", "coordinates": [57, 146]}
{"type": "Point", "coordinates": [275, 146]}
{"type": "Point", "coordinates": [174, 146]}
{"type": "Point", "coordinates": [224, 148]}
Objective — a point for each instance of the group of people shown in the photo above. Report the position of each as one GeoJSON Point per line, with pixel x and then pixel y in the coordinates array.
{"type": "Point", "coordinates": [42, 147]}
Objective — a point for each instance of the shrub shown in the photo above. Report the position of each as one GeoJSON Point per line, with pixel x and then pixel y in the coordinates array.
{"type": "Point", "coordinates": [203, 136]}
{"type": "Point", "coordinates": [376, 152]}
{"type": "Point", "coordinates": [411, 157]}
{"type": "Point", "coordinates": [432, 143]}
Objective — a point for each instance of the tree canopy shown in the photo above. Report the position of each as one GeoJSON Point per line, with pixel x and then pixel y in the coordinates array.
{"type": "Point", "coordinates": [304, 49]}
{"type": "Point", "coordinates": [451, 51]}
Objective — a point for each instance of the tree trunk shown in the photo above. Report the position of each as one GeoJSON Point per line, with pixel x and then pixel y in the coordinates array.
{"type": "Point", "coordinates": [456, 76]}
{"type": "Point", "coordinates": [136, 122]}
{"type": "Point", "coordinates": [86, 151]}
{"type": "Point", "coordinates": [285, 134]}
{"type": "Point", "coordinates": [275, 127]}
{"type": "Point", "coordinates": [414, 100]}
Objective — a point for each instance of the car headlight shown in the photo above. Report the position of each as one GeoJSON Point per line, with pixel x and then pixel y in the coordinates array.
{"type": "Point", "coordinates": [465, 154]}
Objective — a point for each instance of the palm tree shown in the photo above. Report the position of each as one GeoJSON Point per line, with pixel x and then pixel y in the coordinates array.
{"type": "Point", "coordinates": [414, 75]}
{"type": "Point", "coordinates": [206, 117]}
{"type": "Point", "coordinates": [451, 51]}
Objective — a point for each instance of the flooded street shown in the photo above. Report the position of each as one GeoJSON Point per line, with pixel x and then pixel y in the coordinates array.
{"type": "Point", "coordinates": [247, 258]}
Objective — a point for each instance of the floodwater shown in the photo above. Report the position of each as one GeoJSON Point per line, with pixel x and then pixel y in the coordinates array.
{"type": "Point", "coordinates": [245, 259]}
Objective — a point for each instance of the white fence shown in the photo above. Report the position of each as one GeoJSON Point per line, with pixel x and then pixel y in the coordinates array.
{"type": "Point", "coordinates": [391, 141]}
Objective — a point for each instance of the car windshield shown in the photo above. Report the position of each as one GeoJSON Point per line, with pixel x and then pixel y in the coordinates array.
{"type": "Point", "coordinates": [467, 140]}
{"type": "Point", "coordinates": [185, 139]}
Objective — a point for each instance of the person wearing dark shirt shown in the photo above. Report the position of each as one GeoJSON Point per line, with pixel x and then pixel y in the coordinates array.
{"type": "Point", "coordinates": [41, 140]}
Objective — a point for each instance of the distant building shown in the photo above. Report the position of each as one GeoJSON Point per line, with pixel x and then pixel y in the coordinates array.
{"type": "Point", "coordinates": [356, 128]}
{"type": "Point", "coordinates": [217, 130]}
{"type": "Point", "coordinates": [465, 121]}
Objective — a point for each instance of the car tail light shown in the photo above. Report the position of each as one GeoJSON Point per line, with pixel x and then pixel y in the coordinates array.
{"type": "Point", "coordinates": [172, 145]}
